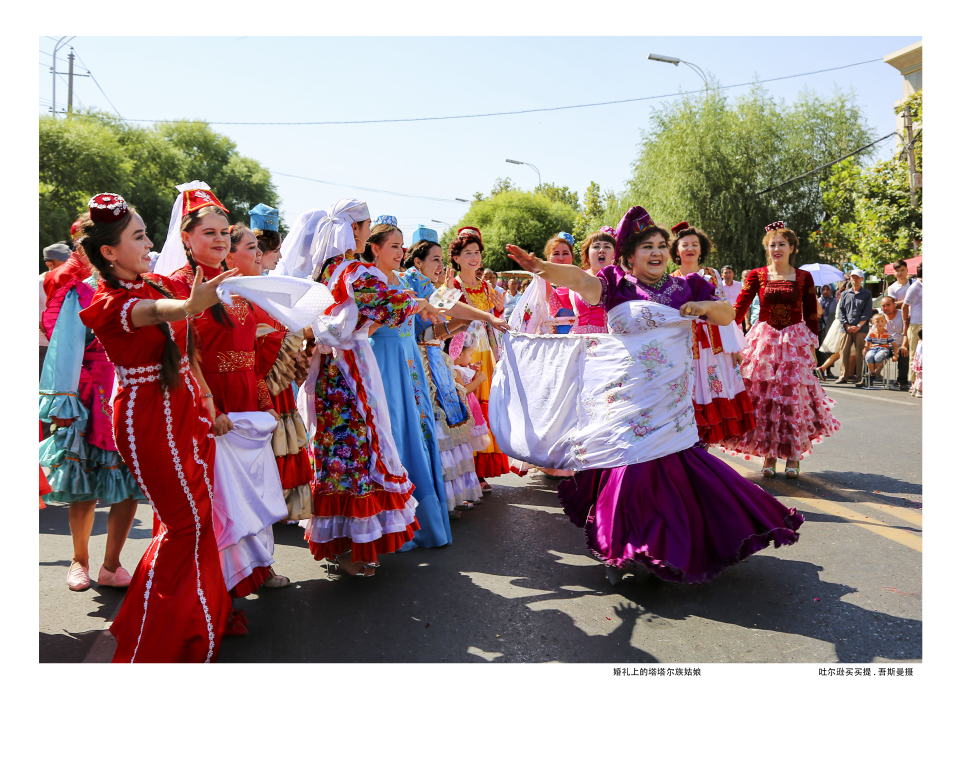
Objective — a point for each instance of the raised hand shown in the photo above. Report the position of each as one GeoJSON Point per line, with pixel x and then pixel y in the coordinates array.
{"type": "Point", "coordinates": [499, 323]}
{"type": "Point", "coordinates": [203, 295]}
{"type": "Point", "coordinates": [526, 260]}
{"type": "Point", "coordinates": [450, 278]}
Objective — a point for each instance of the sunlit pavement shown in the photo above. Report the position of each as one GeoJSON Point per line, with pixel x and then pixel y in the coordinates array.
{"type": "Point", "coordinates": [517, 585]}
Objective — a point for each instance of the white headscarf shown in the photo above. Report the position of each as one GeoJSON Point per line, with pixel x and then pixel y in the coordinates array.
{"type": "Point", "coordinates": [320, 235]}
{"type": "Point", "coordinates": [173, 256]}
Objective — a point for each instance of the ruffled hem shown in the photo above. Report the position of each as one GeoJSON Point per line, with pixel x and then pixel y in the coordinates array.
{"type": "Point", "coordinates": [70, 442]}
{"type": "Point", "coordinates": [104, 476]}
{"type": "Point", "coordinates": [290, 436]}
{"type": "Point", "coordinates": [62, 405]}
{"type": "Point", "coordinates": [456, 462]}
{"type": "Point", "coordinates": [462, 489]}
{"type": "Point", "coordinates": [364, 552]}
{"type": "Point", "coordinates": [359, 506]}
{"type": "Point", "coordinates": [361, 530]}
{"type": "Point", "coordinates": [520, 468]}
{"type": "Point", "coordinates": [722, 419]}
{"type": "Point", "coordinates": [251, 583]}
{"type": "Point", "coordinates": [491, 464]}
{"type": "Point", "coordinates": [786, 535]}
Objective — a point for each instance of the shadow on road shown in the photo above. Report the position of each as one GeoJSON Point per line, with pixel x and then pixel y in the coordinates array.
{"type": "Point", "coordinates": [55, 520]}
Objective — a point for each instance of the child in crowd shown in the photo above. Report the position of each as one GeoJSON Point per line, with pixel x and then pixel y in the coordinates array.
{"type": "Point", "coordinates": [461, 349]}
{"type": "Point", "coordinates": [878, 347]}
{"type": "Point", "coordinates": [917, 389]}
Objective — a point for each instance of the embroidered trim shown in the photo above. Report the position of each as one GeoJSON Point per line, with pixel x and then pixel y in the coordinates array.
{"type": "Point", "coordinates": [123, 315]}
{"type": "Point", "coordinates": [151, 373]}
{"type": "Point", "coordinates": [232, 362]}
{"type": "Point", "coordinates": [132, 285]}
{"type": "Point", "coordinates": [196, 515]}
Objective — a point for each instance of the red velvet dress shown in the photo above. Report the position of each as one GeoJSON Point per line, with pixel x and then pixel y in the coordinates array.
{"type": "Point", "coordinates": [176, 607]}
{"type": "Point", "coordinates": [791, 409]}
{"type": "Point", "coordinates": [233, 362]}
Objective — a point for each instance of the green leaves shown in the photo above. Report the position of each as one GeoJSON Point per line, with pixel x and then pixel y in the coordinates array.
{"type": "Point", "coordinates": [95, 152]}
{"type": "Point", "coordinates": [870, 219]}
{"type": "Point", "coordinates": [515, 217]}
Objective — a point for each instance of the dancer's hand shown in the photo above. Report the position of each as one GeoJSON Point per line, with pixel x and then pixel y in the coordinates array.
{"type": "Point", "coordinates": [203, 295]}
{"type": "Point", "coordinates": [222, 425]}
{"type": "Point", "coordinates": [272, 412]}
{"type": "Point", "coordinates": [426, 310]}
{"type": "Point", "coordinates": [497, 299]}
{"type": "Point", "coordinates": [526, 260]}
{"type": "Point", "coordinates": [694, 308]}
{"type": "Point", "coordinates": [737, 358]}
{"type": "Point", "coordinates": [499, 323]}
{"type": "Point", "coordinates": [450, 278]}
{"type": "Point", "coordinates": [480, 376]}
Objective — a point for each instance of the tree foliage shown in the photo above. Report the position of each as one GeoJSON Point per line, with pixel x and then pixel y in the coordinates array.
{"type": "Point", "coordinates": [710, 159]}
{"type": "Point", "coordinates": [870, 218]}
{"type": "Point", "coordinates": [513, 216]}
{"type": "Point", "coordinates": [96, 152]}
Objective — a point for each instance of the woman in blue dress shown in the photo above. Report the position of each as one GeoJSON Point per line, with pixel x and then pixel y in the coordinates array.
{"type": "Point", "coordinates": [423, 271]}
{"type": "Point", "coordinates": [408, 398]}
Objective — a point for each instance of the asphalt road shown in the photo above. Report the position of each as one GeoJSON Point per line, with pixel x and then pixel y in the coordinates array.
{"type": "Point", "coordinates": [517, 584]}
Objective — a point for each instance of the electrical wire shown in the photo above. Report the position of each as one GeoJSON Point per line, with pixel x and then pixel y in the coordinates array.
{"type": "Point", "coordinates": [368, 189]}
{"type": "Point", "coordinates": [503, 114]}
{"type": "Point", "coordinates": [827, 165]}
{"type": "Point", "coordinates": [98, 84]}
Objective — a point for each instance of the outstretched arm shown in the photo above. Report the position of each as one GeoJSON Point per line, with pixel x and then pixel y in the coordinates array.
{"type": "Point", "coordinates": [568, 275]}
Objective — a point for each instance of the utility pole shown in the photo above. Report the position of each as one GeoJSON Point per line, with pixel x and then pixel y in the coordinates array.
{"type": "Point", "coordinates": [911, 160]}
{"type": "Point", "coordinates": [70, 86]}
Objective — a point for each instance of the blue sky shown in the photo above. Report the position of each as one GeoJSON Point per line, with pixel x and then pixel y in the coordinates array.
{"type": "Point", "coordinates": [311, 79]}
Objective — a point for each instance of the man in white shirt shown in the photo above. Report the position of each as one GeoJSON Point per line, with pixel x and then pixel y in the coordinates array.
{"type": "Point", "coordinates": [898, 289]}
{"type": "Point", "coordinates": [895, 328]}
{"type": "Point", "coordinates": [511, 298]}
{"type": "Point", "coordinates": [912, 313]}
{"type": "Point", "coordinates": [731, 288]}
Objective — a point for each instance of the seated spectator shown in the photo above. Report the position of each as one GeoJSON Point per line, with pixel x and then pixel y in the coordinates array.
{"type": "Point", "coordinates": [878, 347]}
{"type": "Point", "coordinates": [895, 329]}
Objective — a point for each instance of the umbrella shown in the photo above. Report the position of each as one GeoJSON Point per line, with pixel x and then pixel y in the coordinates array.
{"type": "Point", "coordinates": [823, 273]}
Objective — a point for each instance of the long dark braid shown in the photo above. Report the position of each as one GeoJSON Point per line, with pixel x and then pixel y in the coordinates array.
{"type": "Point", "coordinates": [170, 360]}
{"type": "Point", "coordinates": [94, 236]}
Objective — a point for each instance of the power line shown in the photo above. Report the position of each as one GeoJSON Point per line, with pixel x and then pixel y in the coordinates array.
{"type": "Point", "coordinates": [503, 114]}
{"type": "Point", "coordinates": [97, 84]}
{"type": "Point", "coordinates": [827, 165]}
{"type": "Point", "coordinates": [368, 189]}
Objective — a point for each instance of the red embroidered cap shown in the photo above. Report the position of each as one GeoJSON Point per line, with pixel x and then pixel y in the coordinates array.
{"type": "Point", "coordinates": [106, 208]}
{"type": "Point", "coordinates": [680, 227]}
{"type": "Point", "coordinates": [194, 199]}
{"type": "Point", "coordinates": [775, 225]}
{"type": "Point", "coordinates": [471, 229]}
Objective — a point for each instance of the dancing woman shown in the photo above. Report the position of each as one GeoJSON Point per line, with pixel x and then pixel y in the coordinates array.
{"type": "Point", "coordinates": [230, 366]}
{"type": "Point", "coordinates": [791, 409]}
{"type": "Point", "coordinates": [363, 504]}
{"type": "Point", "coordinates": [177, 605]}
{"type": "Point", "coordinates": [644, 492]}
{"type": "Point", "coordinates": [596, 252]}
{"type": "Point", "coordinates": [723, 407]}
{"type": "Point", "coordinates": [466, 257]}
{"type": "Point", "coordinates": [76, 392]}
{"type": "Point", "coordinates": [423, 266]}
{"type": "Point", "coordinates": [559, 250]}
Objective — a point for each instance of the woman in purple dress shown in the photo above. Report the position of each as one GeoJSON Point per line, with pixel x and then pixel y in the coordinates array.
{"type": "Point", "coordinates": [645, 490]}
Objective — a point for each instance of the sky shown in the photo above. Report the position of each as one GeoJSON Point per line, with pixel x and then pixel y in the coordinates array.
{"type": "Point", "coordinates": [353, 78]}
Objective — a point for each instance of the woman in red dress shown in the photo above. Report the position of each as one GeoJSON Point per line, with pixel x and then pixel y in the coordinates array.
{"type": "Point", "coordinates": [232, 362]}
{"type": "Point", "coordinates": [792, 411]}
{"type": "Point", "coordinates": [177, 605]}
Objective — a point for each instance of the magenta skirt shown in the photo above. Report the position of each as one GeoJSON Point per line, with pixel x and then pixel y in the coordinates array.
{"type": "Point", "coordinates": [685, 516]}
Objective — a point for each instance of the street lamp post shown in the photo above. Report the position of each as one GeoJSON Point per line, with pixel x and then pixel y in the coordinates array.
{"type": "Point", "coordinates": [677, 62]}
{"type": "Point", "coordinates": [53, 69]}
{"type": "Point", "coordinates": [518, 162]}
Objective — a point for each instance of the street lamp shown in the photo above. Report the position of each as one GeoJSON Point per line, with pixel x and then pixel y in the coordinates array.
{"type": "Point", "coordinates": [677, 62]}
{"type": "Point", "coordinates": [59, 44]}
{"type": "Point", "coordinates": [517, 162]}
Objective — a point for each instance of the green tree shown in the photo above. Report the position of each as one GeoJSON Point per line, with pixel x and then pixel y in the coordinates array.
{"type": "Point", "coordinates": [558, 194]}
{"type": "Point", "coordinates": [711, 160]}
{"type": "Point", "coordinates": [512, 216]}
{"type": "Point", "coordinates": [870, 218]}
{"type": "Point", "coordinates": [98, 152]}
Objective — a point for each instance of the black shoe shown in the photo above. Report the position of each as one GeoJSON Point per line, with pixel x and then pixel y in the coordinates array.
{"type": "Point", "coordinates": [862, 383]}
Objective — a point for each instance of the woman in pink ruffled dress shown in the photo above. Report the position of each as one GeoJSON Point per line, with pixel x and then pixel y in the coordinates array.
{"type": "Point", "coordinates": [792, 411]}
